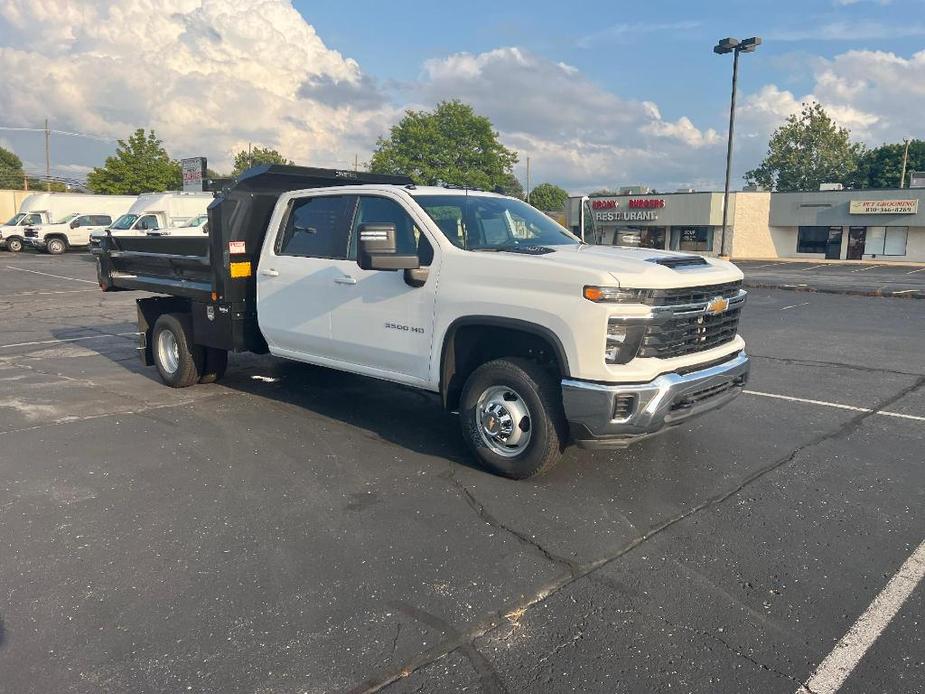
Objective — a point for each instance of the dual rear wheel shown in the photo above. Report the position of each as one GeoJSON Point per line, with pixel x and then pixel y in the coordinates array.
{"type": "Point", "coordinates": [179, 362]}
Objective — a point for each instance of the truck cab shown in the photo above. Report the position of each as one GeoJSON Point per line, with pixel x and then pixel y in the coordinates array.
{"type": "Point", "coordinates": [535, 338]}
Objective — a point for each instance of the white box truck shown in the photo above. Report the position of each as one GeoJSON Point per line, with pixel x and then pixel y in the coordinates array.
{"type": "Point", "coordinates": [89, 213]}
{"type": "Point", "coordinates": [41, 208]}
{"type": "Point", "coordinates": [153, 211]}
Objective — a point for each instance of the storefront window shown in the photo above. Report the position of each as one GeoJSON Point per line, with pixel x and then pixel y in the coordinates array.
{"type": "Point", "coordinates": [692, 239]}
{"type": "Point", "coordinates": [812, 239]}
{"type": "Point", "coordinates": [886, 241]}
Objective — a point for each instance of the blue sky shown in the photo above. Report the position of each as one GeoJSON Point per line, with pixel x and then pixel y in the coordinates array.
{"type": "Point", "coordinates": [659, 51]}
{"type": "Point", "coordinates": [595, 93]}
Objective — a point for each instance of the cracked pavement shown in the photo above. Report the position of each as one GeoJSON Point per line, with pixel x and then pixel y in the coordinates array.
{"type": "Point", "coordinates": [323, 532]}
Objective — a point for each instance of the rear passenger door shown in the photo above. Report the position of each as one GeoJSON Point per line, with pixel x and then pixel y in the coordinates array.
{"type": "Point", "coordinates": [296, 278]}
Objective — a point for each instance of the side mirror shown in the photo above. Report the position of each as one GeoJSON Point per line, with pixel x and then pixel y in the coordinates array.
{"type": "Point", "coordinates": [377, 249]}
{"type": "Point", "coordinates": [74, 224]}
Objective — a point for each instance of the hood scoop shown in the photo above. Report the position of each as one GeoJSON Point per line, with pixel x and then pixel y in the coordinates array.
{"type": "Point", "coordinates": [678, 262]}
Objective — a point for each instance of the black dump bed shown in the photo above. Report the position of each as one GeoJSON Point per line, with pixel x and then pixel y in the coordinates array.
{"type": "Point", "coordinates": [217, 271]}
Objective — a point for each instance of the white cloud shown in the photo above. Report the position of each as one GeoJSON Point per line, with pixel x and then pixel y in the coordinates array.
{"type": "Point", "coordinates": [576, 132]}
{"type": "Point", "coordinates": [208, 76]}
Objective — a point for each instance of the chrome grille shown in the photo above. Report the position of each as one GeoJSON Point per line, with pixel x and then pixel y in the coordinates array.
{"type": "Point", "coordinates": [31, 233]}
{"type": "Point", "coordinates": [688, 295]}
{"type": "Point", "coordinates": [687, 334]}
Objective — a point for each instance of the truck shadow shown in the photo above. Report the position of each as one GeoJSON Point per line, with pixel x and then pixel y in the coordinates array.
{"type": "Point", "coordinates": [411, 419]}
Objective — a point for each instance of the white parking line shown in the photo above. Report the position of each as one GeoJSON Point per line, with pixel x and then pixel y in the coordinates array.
{"type": "Point", "coordinates": [882, 413]}
{"type": "Point", "coordinates": [921, 269]}
{"type": "Point", "coordinates": [906, 291]}
{"type": "Point", "coordinates": [67, 339]}
{"type": "Point", "coordinates": [48, 274]}
{"type": "Point", "coordinates": [834, 670]}
{"type": "Point", "coordinates": [805, 303]}
{"type": "Point", "coordinates": [813, 267]}
{"type": "Point", "coordinates": [865, 269]}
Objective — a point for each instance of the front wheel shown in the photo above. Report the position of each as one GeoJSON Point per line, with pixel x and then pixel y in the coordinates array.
{"type": "Point", "coordinates": [56, 246]}
{"type": "Point", "coordinates": [178, 361]}
{"type": "Point", "coordinates": [14, 244]}
{"type": "Point", "coordinates": [512, 418]}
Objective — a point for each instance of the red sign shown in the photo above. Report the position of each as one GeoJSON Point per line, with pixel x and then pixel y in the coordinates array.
{"type": "Point", "coordinates": [647, 203]}
{"type": "Point", "coordinates": [604, 204]}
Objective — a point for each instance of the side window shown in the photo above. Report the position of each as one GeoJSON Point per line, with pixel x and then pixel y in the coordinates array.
{"type": "Point", "coordinates": [100, 220]}
{"type": "Point", "coordinates": [32, 219]}
{"type": "Point", "coordinates": [372, 209]}
{"type": "Point", "coordinates": [316, 227]}
{"type": "Point", "coordinates": [149, 221]}
{"type": "Point", "coordinates": [83, 221]}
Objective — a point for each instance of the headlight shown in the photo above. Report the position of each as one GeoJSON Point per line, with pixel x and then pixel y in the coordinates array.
{"type": "Point", "coordinates": [613, 295]}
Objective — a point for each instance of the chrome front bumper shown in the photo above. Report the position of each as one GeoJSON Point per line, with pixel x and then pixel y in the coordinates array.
{"type": "Point", "coordinates": [615, 415]}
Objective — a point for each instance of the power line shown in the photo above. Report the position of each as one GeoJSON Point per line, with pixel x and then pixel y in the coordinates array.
{"type": "Point", "coordinates": [59, 132]}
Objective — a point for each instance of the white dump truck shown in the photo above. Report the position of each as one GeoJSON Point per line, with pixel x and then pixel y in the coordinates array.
{"type": "Point", "coordinates": [534, 337]}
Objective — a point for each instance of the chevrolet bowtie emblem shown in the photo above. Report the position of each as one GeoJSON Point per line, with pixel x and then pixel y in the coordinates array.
{"type": "Point", "coordinates": [716, 306]}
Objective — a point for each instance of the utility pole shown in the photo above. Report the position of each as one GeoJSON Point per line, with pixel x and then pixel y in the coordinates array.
{"type": "Point", "coordinates": [47, 159]}
{"type": "Point", "coordinates": [528, 180]}
{"type": "Point", "coordinates": [356, 163]}
{"type": "Point", "coordinates": [250, 157]}
{"type": "Point", "coordinates": [902, 176]}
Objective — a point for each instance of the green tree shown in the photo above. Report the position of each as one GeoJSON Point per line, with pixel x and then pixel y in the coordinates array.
{"type": "Point", "coordinates": [548, 197]}
{"type": "Point", "coordinates": [881, 167]}
{"type": "Point", "coordinates": [11, 171]}
{"type": "Point", "coordinates": [140, 165]}
{"type": "Point", "coordinates": [512, 187]}
{"type": "Point", "coordinates": [451, 144]}
{"type": "Point", "coordinates": [808, 149]}
{"type": "Point", "coordinates": [256, 156]}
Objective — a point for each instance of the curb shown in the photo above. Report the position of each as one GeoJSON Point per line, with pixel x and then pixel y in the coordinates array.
{"type": "Point", "coordinates": [883, 293]}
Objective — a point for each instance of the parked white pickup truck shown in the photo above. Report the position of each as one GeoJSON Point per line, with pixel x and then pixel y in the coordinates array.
{"type": "Point", "coordinates": [534, 337]}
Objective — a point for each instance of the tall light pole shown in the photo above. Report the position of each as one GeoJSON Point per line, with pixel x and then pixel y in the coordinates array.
{"type": "Point", "coordinates": [734, 46]}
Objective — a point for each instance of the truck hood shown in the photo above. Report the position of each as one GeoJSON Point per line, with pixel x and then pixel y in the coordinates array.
{"type": "Point", "coordinates": [640, 267]}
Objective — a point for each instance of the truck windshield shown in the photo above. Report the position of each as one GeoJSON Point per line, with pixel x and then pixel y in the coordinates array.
{"type": "Point", "coordinates": [484, 223]}
{"type": "Point", "coordinates": [196, 221]}
{"type": "Point", "coordinates": [125, 221]}
{"type": "Point", "coordinates": [15, 219]}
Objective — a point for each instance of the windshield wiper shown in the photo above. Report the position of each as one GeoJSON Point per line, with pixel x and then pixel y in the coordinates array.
{"type": "Point", "coordinates": [526, 249]}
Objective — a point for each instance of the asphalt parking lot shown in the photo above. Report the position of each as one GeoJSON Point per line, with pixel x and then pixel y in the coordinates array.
{"type": "Point", "coordinates": [293, 529]}
{"type": "Point", "coordinates": [859, 279]}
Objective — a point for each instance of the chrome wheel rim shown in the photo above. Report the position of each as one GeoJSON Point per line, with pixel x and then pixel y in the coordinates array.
{"type": "Point", "coordinates": [168, 351]}
{"type": "Point", "coordinates": [504, 421]}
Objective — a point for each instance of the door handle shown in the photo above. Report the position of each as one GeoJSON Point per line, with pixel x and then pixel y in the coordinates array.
{"type": "Point", "coordinates": [345, 280]}
{"type": "Point", "coordinates": [269, 272]}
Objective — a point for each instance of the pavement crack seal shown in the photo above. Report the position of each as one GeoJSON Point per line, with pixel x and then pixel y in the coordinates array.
{"type": "Point", "coordinates": [489, 680]}
{"type": "Point", "coordinates": [494, 522]}
{"type": "Point", "coordinates": [498, 618]}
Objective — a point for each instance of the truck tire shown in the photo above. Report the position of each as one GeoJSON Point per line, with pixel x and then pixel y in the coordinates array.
{"type": "Point", "coordinates": [178, 361]}
{"type": "Point", "coordinates": [56, 246]}
{"type": "Point", "coordinates": [214, 366]}
{"type": "Point", "coordinates": [512, 418]}
{"type": "Point", "coordinates": [14, 244]}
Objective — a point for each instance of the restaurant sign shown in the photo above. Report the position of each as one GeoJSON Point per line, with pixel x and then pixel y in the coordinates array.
{"type": "Point", "coordinates": [884, 207]}
{"type": "Point", "coordinates": [638, 210]}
